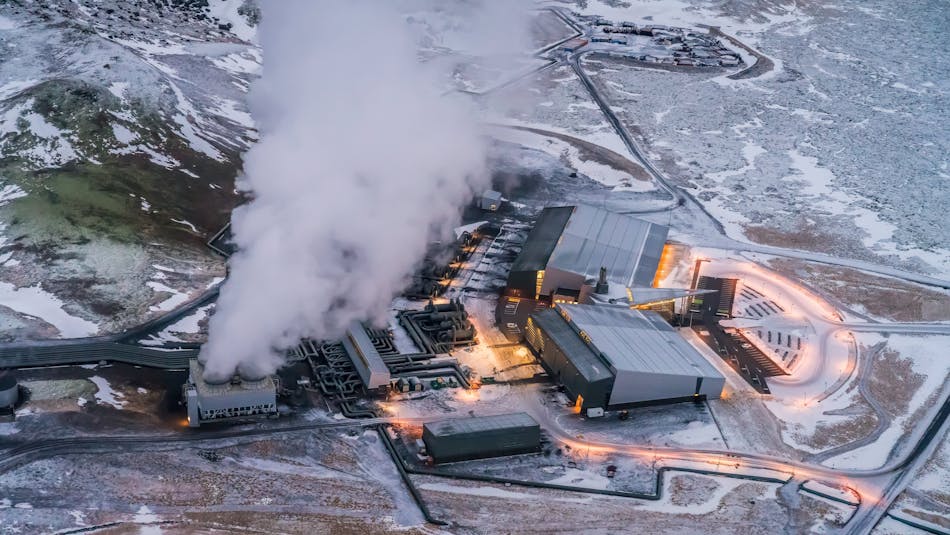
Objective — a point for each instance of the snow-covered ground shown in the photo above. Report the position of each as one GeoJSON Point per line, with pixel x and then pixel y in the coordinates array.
{"type": "Point", "coordinates": [105, 394]}
{"type": "Point", "coordinates": [605, 174]}
{"type": "Point", "coordinates": [802, 155]}
{"type": "Point", "coordinates": [928, 370]}
{"type": "Point", "coordinates": [34, 301]}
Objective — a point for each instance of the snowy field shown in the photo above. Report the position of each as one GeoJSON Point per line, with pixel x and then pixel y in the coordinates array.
{"type": "Point", "coordinates": [807, 154]}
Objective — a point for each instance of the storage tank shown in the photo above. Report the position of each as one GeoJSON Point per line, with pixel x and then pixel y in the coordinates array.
{"type": "Point", "coordinates": [9, 390]}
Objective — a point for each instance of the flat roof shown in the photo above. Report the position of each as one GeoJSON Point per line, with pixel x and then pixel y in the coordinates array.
{"type": "Point", "coordinates": [628, 247]}
{"type": "Point", "coordinates": [638, 341]}
{"type": "Point", "coordinates": [478, 424]}
{"type": "Point", "coordinates": [588, 363]}
{"type": "Point", "coordinates": [542, 239]}
{"type": "Point", "coordinates": [366, 359]}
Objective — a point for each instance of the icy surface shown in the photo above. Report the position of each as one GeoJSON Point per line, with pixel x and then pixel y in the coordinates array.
{"type": "Point", "coordinates": [34, 301]}
{"type": "Point", "coordinates": [105, 394]}
{"type": "Point", "coordinates": [928, 355]}
{"type": "Point", "coordinates": [807, 151]}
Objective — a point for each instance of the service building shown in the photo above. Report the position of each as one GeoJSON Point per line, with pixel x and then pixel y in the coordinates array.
{"type": "Point", "coordinates": [366, 359]}
{"type": "Point", "coordinates": [463, 439]}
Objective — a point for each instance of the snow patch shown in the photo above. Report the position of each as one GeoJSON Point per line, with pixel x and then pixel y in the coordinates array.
{"type": "Point", "coordinates": [7, 23]}
{"type": "Point", "coordinates": [122, 134]}
{"type": "Point", "coordinates": [118, 89]}
{"type": "Point", "coordinates": [105, 394]}
{"type": "Point", "coordinates": [227, 12]}
{"type": "Point", "coordinates": [10, 192]}
{"type": "Point", "coordinates": [187, 224]}
{"type": "Point", "coordinates": [580, 478]}
{"type": "Point", "coordinates": [34, 301]}
{"type": "Point", "coordinates": [492, 492]}
{"type": "Point", "coordinates": [177, 298]}
{"type": "Point", "coordinates": [9, 89]}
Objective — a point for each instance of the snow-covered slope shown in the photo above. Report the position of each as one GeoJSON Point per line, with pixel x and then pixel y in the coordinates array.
{"type": "Point", "coordinates": [121, 129]}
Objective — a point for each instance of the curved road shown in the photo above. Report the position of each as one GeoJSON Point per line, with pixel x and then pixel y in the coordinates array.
{"type": "Point", "coordinates": [883, 419]}
{"type": "Point", "coordinates": [867, 516]}
{"type": "Point", "coordinates": [872, 507]}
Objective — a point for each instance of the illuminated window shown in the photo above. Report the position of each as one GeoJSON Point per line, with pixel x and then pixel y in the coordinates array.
{"type": "Point", "coordinates": [584, 336]}
{"type": "Point", "coordinates": [564, 314]}
{"type": "Point", "coordinates": [540, 281]}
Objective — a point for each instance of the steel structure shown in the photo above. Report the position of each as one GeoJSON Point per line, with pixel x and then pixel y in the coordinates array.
{"type": "Point", "coordinates": [615, 357]}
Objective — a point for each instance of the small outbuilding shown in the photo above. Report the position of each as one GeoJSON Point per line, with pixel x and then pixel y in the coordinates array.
{"type": "Point", "coordinates": [463, 439]}
{"type": "Point", "coordinates": [366, 359]}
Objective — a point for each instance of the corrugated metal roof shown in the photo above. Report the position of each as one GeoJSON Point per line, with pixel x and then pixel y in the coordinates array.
{"type": "Point", "coordinates": [543, 239]}
{"type": "Point", "coordinates": [587, 362]}
{"type": "Point", "coordinates": [462, 426]}
{"type": "Point", "coordinates": [628, 247]}
{"type": "Point", "coordinates": [638, 341]}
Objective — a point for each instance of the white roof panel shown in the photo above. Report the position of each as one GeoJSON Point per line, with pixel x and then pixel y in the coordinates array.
{"type": "Point", "coordinates": [628, 247]}
{"type": "Point", "coordinates": [638, 341]}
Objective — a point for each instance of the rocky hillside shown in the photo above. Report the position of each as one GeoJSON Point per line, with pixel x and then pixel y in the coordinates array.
{"type": "Point", "coordinates": [121, 128]}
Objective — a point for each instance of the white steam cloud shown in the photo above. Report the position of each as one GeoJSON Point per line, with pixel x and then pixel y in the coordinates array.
{"type": "Point", "coordinates": [360, 164]}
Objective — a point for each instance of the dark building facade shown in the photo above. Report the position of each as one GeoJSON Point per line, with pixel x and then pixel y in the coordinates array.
{"type": "Point", "coordinates": [463, 439]}
{"type": "Point", "coordinates": [569, 360]}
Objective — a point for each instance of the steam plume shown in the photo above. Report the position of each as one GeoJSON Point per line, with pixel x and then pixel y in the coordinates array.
{"type": "Point", "coordinates": [360, 164]}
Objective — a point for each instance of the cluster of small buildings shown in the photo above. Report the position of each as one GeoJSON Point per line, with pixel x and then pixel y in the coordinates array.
{"type": "Point", "coordinates": [684, 46]}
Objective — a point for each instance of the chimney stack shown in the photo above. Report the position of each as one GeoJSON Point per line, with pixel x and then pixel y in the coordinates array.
{"type": "Point", "coordinates": [602, 286]}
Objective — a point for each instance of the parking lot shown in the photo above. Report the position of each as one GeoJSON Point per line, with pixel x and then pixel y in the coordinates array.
{"type": "Point", "coordinates": [733, 348]}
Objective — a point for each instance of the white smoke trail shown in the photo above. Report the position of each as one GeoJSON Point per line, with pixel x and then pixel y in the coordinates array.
{"type": "Point", "coordinates": [360, 164]}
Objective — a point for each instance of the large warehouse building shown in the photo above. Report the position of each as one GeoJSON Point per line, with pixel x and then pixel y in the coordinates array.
{"type": "Point", "coordinates": [569, 245]}
{"type": "Point", "coordinates": [615, 357]}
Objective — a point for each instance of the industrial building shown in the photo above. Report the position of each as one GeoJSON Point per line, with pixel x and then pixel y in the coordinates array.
{"type": "Point", "coordinates": [236, 398]}
{"type": "Point", "coordinates": [366, 358]}
{"type": "Point", "coordinates": [568, 246]}
{"type": "Point", "coordinates": [481, 437]}
{"type": "Point", "coordinates": [610, 357]}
